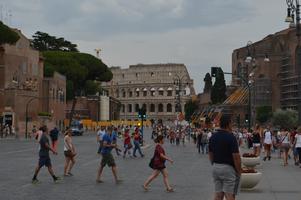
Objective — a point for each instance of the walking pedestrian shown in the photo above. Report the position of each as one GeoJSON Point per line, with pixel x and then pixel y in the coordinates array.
{"type": "Point", "coordinates": [285, 145]}
{"type": "Point", "coordinates": [225, 158]}
{"type": "Point", "coordinates": [267, 142]}
{"type": "Point", "coordinates": [114, 139]}
{"type": "Point", "coordinates": [107, 157]}
{"type": "Point", "coordinates": [54, 135]}
{"type": "Point", "coordinates": [178, 136]}
{"type": "Point", "coordinates": [127, 144]}
{"type": "Point", "coordinates": [256, 140]}
{"type": "Point", "coordinates": [158, 165]}
{"type": "Point", "coordinates": [204, 141]}
{"type": "Point", "coordinates": [44, 158]}
{"type": "Point", "coordinates": [100, 133]}
{"type": "Point", "coordinates": [137, 139]}
{"type": "Point", "coordinates": [297, 144]}
{"type": "Point", "coordinates": [69, 152]}
{"type": "Point", "coordinates": [199, 141]}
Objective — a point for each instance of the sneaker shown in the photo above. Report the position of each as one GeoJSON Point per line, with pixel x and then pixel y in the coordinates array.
{"type": "Point", "coordinates": [265, 158]}
{"type": "Point", "coordinates": [67, 175]}
{"type": "Point", "coordinates": [35, 181]}
{"type": "Point", "coordinates": [57, 179]}
{"type": "Point", "coordinates": [269, 157]}
{"type": "Point", "coordinates": [99, 181]}
{"type": "Point", "coordinates": [70, 174]}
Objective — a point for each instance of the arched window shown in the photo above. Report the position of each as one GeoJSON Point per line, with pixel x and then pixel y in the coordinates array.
{"type": "Point", "coordinates": [169, 92]}
{"type": "Point", "coordinates": [144, 107]}
{"type": "Point", "coordinates": [123, 93]}
{"type": "Point", "coordinates": [160, 107]}
{"type": "Point", "coordinates": [153, 90]}
{"type": "Point", "coordinates": [152, 108]}
{"type": "Point", "coordinates": [123, 108]}
{"type": "Point", "coordinates": [136, 107]}
{"type": "Point", "coordinates": [144, 92]}
{"type": "Point", "coordinates": [117, 93]}
{"type": "Point", "coordinates": [129, 107]}
{"type": "Point", "coordinates": [161, 91]}
{"type": "Point", "coordinates": [169, 108]}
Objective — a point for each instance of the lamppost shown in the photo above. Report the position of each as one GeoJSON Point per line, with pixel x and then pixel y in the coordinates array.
{"type": "Point", "coordinates": [178, 82]}
{"type": "Point", "coordinates": [293, 10]}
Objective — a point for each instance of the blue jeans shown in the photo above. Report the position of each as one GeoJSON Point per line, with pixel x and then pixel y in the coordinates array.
{"type": "Point", "coordinates": [137, 147]}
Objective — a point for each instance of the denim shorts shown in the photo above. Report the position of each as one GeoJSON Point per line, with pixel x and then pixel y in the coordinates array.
{"type": "Point", "coordinates": [225, 179]}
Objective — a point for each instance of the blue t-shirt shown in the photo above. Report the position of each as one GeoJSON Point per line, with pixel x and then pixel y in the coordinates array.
{"type": "Point", "coordinates": [114, 136]}
{"type": "Point", "coordinates": [108, 139]}
{"type": "Point", "coordinates": [222, 145]}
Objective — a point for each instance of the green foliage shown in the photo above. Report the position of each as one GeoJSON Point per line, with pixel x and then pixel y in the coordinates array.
{"type": "Point", "coordinates": [80, 70]}
{"type": "Point", "coordinates": [208, 83]}
{"type": "Point", "coordinates": [7, 35]}
{"type": "Point", "coordinates": [218, 91]}
{"type": "Point", "coordinates": [263, 114]}
{"type": "Point", "coordinates": [287, 119]}
{"type": "Point", "coordinates": [190, 108]}
{"type": "Point", "coordinates": [45, 42]}
{"type": "Point", "coordinates": [91, 87]}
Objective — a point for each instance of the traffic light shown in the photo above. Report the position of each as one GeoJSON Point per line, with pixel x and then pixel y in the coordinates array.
{"type": "Point", "coordinates": [141, 113]}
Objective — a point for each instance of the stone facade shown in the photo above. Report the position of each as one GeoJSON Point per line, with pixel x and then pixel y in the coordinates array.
{"type": "Point", "coordinates": [22, 85]}
{"type": "Point", "coordinates": [153, 86]}
{"type": "Point", "coordinates": [54, 98]}
{"type": "Point", "coordinates": [21, 77]}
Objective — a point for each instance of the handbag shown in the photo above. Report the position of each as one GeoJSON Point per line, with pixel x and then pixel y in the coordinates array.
{"type": "Point", "coordinates": [151, 163]}
{"type": "Point", "coordinates": [130, 146]}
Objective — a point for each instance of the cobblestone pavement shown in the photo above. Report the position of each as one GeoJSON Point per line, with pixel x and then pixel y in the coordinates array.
{"type": "Point", "coordinates": [190, 175]}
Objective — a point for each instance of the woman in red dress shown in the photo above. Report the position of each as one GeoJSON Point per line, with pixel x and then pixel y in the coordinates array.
{"type": "Point", "coordinates": [158, 165]}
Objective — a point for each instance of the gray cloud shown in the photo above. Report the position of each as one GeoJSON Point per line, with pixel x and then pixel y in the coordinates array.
{"type": "Point", "coordinates": [198, 33]}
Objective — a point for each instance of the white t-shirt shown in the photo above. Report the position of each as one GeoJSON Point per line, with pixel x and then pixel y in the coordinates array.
{"type": "Point", "coordinates": [100, 134]}
{"type": "Point", "coordinates": [268, 137]}
{"type": "Point", "coordinates": [298, 140]}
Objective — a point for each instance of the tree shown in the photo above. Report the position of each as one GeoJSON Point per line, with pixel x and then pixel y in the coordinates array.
{"type": "Point", "coordinates": [81, 70]}
{"type": "Point", "coordinates": [208, 83]}
{"type": "Point", "coordinates": [286, 119]}
{"type": "Point", "coordinates": [263, 114]}
{"type": "Point", "coordinates": [7, 35]}
{"type": "Point", "coordinates": [218, 92]}
{"type": "Point", "coordinates": [190, 108]}
{"type": "Point", "coordinates": [45, 42]}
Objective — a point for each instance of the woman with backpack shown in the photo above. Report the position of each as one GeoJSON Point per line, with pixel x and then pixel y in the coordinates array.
{"type": "Point", "coordinates": [158, 165]}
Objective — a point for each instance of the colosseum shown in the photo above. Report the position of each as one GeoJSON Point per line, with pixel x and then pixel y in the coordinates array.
{"type": "Point", "coordinates": [162, 89]}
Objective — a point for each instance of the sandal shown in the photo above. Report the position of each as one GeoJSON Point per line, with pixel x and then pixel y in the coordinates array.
{"type": "Point", "coordinates": [145, 188]}
{"type": "Point", "coordinates": [170, 190]}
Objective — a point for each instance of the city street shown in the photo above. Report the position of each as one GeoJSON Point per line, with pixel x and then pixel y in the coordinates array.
{"type": "Point", "coordinates": [190, 175]}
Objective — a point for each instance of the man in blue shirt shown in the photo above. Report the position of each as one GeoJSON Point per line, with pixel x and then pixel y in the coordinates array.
{"type": "Point", "coordinates": [107, 157]}
{"type": "Point", "coordinates": [225, 158]}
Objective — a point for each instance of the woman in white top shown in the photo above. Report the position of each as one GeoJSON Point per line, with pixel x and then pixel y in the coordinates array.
{"type": "Point", "coordinates": [297, 144]}
{"type": "Point", "coordinates": [69, 152]}
{"type": "Point", "coordinates": [285, 145]}
{"type": "Point", "coordinates": [267, 142]}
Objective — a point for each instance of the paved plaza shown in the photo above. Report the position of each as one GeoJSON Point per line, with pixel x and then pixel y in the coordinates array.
{"type": "Point", "coordinates": [190, 175]}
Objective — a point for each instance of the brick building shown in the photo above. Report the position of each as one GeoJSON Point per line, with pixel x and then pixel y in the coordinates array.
{"type": "Point", "coordinates": [22, 86]}
{"type": "Point", "coordinates": [274, 83]}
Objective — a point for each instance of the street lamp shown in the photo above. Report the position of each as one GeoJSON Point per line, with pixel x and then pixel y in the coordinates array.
{"type": "Point", "coordinates": [178, 81]}
{"type": "Point", "coordinates": [293, 11]}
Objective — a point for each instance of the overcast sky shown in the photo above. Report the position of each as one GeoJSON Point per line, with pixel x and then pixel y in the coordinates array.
{"type": "Point", "coordinates": [198, 33]}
